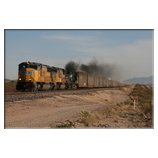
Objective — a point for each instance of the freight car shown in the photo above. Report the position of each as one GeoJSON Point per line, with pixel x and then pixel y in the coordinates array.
{"type": "Point", "coordinates": [36, 76]}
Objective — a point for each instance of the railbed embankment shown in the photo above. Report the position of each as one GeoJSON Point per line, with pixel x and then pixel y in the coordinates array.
{"type": "Point", "coordinates": [30, 96]}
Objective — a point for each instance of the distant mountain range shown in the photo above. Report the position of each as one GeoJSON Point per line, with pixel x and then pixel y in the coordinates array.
{"type": "Point", "coordinates": [140, 80]}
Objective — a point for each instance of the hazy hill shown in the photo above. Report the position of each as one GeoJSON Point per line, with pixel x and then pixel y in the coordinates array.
{"type": "Point", "coordinates": [8, 80]}
{"type": "Point", "coordinates": [140, 80]}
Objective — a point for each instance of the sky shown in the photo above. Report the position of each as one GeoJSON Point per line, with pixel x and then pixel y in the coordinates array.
{"type": "Point", "coordinates": [131, 51]}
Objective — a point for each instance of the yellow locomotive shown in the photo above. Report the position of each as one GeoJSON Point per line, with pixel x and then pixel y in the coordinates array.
{"type": "Point", "coordinates": [36, 76]}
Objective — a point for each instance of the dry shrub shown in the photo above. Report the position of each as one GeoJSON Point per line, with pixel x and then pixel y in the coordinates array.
{"type": "Point", "coordinates": [116, 120]}
{"type": "Point", "coordinates": [145, 96]}
{"type": "Point", "coordinates": [88, 118]}
{"type": "Point", "coordinates": [147, 109]}
{"type": "Point", "coordinates": [118, 108]}
{"type": "Point", "coordinates": [128, 102]}
{"type": "Point", "coordinates": [61, 126]}
{"type": "Point", "coordinates": [108, 111]}
{"type": "Point", "coordinates": [118, 104]}
{"type": "Point", "coordinates": [85, 114]}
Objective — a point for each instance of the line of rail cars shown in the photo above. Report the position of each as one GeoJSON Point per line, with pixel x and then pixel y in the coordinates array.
{"type": "Point", "coordinates": [36, 76]}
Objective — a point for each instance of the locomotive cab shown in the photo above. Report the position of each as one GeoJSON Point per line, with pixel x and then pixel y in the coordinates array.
{"type": "Point", "coordinates": [27, 74]}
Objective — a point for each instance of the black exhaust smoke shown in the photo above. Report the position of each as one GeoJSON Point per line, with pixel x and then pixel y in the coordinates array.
{"type": "Point", "coordinates": [71, 66]}
{"type": "Point", "coordinates": [96, 68]}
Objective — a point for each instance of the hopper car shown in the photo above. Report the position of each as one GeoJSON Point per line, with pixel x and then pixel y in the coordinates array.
{"type": "Point", "coordinates": [34, 76]}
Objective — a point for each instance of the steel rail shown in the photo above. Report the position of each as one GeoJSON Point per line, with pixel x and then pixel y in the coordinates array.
{"type": "Point", "coordinates": [61, 90]}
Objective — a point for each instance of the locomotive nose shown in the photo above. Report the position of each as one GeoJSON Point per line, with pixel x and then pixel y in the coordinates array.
{"type": "Point", "coordinates": [26, 75]}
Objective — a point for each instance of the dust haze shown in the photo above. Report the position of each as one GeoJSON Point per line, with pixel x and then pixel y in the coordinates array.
{"type": "Point", "coordinates": [96, 67]}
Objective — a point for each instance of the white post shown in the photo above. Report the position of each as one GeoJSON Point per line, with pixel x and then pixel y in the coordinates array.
{"type": "Point", "coordinates": [134, 102]}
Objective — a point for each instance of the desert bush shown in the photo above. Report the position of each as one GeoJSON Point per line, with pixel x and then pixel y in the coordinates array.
{"type": "Point", "coordinates": [61, 126]}
{"type": "Point", "coordinates": [116, 120]}
{"type": "Point", "coordinates": [145, 96]}
{"type": "Point", "coordinates": [88, 118]}
{"type": "Point", "coordinates": [106, 111]}
{"type": "Point", "coordinates": [85, 114]}
{"type": "Point", "coordinates": [118, 104]}
{"type": "Point", "coordinates": [128, 102]}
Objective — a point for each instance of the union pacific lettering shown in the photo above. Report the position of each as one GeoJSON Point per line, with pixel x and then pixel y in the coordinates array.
{"type": "Point", "coordinates": [26, 72]}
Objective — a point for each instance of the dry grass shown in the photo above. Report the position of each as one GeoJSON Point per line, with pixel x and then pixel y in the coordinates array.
{"type": "Point", "coordinates": [122, 112]}
{"type": "Point", "coordinates": [61, 126]}
{"type": "Point", "coordinates": [145, 99]}
{"type": "Point", "coordinates": [88, 118]}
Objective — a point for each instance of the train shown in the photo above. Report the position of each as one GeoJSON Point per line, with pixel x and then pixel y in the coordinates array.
{"type": "Point", "coordinates": [33, 76]}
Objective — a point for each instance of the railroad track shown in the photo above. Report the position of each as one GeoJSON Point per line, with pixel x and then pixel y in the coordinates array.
{"type": "Point", "coordinates": [62, 90]}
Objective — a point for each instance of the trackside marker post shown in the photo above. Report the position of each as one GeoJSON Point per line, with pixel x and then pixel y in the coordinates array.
{"type": "Point", "coordinates": [134, 102]}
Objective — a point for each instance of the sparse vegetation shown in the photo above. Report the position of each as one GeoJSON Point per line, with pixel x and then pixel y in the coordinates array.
{"type": "Point", "coordinates": [118, 104]}
{"type": "Point", "coordinates": [61, 126]}
{"type": "Point", "coordinates": [88, 118]}
{"type": "Point", "coordinates": [139, 117]}
{"type": "Point", "coordinates": [85, 114]}
{"type": "Point", "coordinates": [128, 102]}
{"type": "Point", "coordinates": [145, 99]}
{"type": "Point", "coordinates": [116, 120]}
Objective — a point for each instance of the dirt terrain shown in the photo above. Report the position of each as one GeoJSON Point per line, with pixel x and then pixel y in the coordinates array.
{"type": "Point", "coordinates": [56, 110]}
{"type": "Point", "coordinates": [10, 86]}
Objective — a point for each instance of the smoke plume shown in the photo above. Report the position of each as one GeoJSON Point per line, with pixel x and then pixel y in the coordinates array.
{"type": "Point", "coordinates": [97, 68]}
{"type": "Point", "coordinates": [71, 66]}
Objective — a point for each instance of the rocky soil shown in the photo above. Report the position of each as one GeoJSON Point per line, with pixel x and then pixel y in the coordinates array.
{"type": "Point", "coordinates": [54, 110]}
{"type": "Point", "coordinates": [45, 94]}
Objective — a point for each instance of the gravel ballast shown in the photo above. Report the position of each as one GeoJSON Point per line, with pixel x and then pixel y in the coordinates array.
{"type": "Point", "coordinates": [30, 96]}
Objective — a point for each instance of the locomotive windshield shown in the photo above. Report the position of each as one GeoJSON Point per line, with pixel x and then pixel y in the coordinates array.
{"type": "Point", "coordinates": [27, 66]}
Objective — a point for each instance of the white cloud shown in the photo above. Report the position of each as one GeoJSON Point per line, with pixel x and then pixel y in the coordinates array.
{"type": "Point", "coordinates": [71, 39]}
{"type": "Point", "coordinates": [141, 48]}
{"type": "Point", "coordinates": [95, 47]}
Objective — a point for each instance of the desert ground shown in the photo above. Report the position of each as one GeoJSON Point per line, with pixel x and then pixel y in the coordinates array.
{"type": "Point", "coordinates": [106, 109]}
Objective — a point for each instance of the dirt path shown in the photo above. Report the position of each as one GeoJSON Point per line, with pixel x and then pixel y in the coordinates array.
{"type": "Point", "coordinates": [41, 113]}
